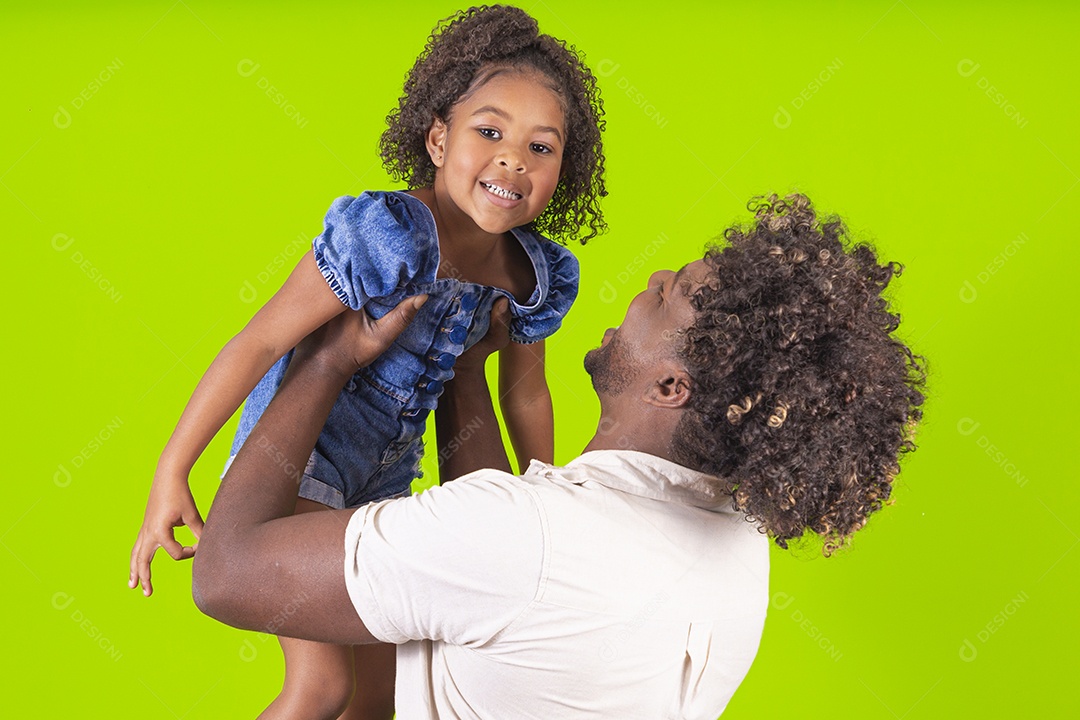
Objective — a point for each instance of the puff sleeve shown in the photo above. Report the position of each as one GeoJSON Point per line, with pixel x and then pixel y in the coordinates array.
{"type": "Point", "coordinates": [563, 275]}
{"type": "Point", "coordinates": [374, 246]}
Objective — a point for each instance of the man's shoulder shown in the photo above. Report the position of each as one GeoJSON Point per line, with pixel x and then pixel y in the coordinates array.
{"type": "Point", "coordinates": [488, 516]}
{"type": "Point", "coordinates": [486, 493]}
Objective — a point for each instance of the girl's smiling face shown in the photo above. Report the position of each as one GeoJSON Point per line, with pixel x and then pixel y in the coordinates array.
{"type": "Point", "coordinates": [499, 155]}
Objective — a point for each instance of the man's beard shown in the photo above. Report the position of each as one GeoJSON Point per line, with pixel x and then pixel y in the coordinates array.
{"type": "Point", "coordinates": [610, 367]}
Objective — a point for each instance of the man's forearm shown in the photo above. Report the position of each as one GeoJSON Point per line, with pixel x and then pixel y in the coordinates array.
{"type": "Point", "coordinates": [255, 556]}
{"type": "Point", "coordinates": [466, 428]}
{"type": "Point", "coordinates": [263, 479]}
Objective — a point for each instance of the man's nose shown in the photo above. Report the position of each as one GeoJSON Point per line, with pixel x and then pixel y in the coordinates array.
{"type": "Point", "coordinates": [658, 277]}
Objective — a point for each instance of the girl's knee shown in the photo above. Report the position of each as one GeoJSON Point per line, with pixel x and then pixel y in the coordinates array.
{"type": "Point", "coordinates": [318, 685]}
{"type": "Point", "coordinates": [315, 699]}
{"type": "Point", "coordinates": [375, 671]}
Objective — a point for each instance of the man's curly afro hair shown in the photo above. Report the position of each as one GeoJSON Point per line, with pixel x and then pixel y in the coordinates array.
{"type": "Point", "coordinates": [462, 53]}
{"type": "Point", "coordinates": [803, 398]}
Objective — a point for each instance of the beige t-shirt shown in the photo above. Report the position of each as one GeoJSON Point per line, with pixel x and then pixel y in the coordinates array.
{"type": "Point", "coordinates": [619, 586]}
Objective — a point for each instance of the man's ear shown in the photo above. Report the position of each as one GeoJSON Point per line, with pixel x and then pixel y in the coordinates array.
{"type": "Point", "coordinates": [672, 387]}
{"type": "Point", "coordinates": [436, 141]}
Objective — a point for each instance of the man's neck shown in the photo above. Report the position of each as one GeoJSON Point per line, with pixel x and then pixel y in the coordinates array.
{"type": "Point", "coordinates": [648, 432]}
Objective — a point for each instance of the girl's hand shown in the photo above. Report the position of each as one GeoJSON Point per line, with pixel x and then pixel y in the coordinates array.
{"type": "Point", "coordinates": [348, 341]}
{"type": "Point", "coordinates": [171, 505]}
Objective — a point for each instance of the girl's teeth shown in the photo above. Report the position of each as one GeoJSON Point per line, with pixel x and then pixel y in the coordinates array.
{"type": "Point", "coordinates": [496, 190]}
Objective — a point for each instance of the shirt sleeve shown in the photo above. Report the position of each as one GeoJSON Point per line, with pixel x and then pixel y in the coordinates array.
{"type": "Point", "coordinates": [563, 275]}
{"type": "Point", "coordinates": [457, 563]}
{"type": "Point", "coordinates": [374, 246]}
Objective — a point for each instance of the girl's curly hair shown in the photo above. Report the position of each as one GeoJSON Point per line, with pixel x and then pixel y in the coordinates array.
{"type": "Point", "coordinates": [803, 398]}
{"type": "Point", "coordinates": [461, 55]}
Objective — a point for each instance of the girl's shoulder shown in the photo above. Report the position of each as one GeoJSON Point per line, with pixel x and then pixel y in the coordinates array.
{"type": "Point", "coordinates": [376, 243]}
{"type": "Point", "coordinates": [558, 275]}
{"type": "Point", "coordinates": [556, 266]}
{"type": "Point", "coordinates": [385, 213]}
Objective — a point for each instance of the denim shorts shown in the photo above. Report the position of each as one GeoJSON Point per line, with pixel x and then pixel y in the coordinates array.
{"type": "Point", "coordinates": [369, 449]}
{"type": "Point", "coordinates": [368, 436]}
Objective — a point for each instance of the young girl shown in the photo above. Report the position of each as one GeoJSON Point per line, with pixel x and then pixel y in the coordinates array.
{"type": "Point", "coordinates": [497, 136]}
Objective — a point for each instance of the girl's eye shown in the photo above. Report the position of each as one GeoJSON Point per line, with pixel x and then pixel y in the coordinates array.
{"type": "Point", "coordinates": [489, 133]}
{"type": "Point", "coordinates": [541, 149]}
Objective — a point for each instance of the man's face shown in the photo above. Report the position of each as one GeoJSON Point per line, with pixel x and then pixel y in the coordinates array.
{"type": "Point", "coordinates": [648, 333]}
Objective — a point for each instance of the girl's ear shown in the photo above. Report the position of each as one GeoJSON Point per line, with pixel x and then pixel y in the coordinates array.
{"type": "Point", "coordinates": [436, 141]}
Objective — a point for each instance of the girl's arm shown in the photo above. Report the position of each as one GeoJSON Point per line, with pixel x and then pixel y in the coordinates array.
{"type": "Point", "coordinates": [526, 402]}
{"type": "Point", "coordinates": [304, 303]}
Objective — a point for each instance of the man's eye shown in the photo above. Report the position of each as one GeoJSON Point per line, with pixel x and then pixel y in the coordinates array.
{"type": "Point", "coordinates": [489, 133]}
{"type": "Point", "coordinates": [541, 149]}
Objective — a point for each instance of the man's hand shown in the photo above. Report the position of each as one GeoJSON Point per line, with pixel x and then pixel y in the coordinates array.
{"type": "Point", "coordinates": [497, 337]}
{"type": "Point", "coordinates": [353, 340]}
{"type": "Point", "coordinates": [466, 429]}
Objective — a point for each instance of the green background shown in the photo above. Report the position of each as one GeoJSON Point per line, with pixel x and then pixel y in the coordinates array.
{"type": "Point", "coordinates": [152, 212]}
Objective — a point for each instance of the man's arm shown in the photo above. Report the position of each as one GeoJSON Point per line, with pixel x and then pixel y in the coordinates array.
{"type": "Point", "coordinates": [258, 566]}
{"type": "Point", "coordinates": [466, 428]}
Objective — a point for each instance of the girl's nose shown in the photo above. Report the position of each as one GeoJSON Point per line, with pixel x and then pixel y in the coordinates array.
{"type": "Point", "coordinates": [511, 160]}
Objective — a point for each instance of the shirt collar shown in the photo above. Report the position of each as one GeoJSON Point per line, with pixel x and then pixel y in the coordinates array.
{"type": "Point", "coordinates": [642, 474]}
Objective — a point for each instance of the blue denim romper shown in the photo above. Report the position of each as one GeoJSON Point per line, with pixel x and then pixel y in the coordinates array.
{"type": "Point", "coordinates": [375, 250]}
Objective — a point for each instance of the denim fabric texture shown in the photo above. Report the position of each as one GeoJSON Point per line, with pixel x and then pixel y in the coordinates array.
{"type": "Point", "coordinates": [375, 250]}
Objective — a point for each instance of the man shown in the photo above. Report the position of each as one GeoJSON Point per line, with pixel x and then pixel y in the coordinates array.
{"type": "Point", "coordinates": [762, 381]}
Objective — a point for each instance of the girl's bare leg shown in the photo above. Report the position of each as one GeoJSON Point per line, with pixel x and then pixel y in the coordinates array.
{"type": "Point", "coordinates": [318, 681]}
{"type": "Point", "coordinates": [318, 676]}
{"type": "Point", "coordinates": [376, 668]}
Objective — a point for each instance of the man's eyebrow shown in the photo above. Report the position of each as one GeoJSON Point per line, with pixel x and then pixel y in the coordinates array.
{"type": "Point", "coordinates": [675, 280]}
{"type": "Point", "coordinates": [674, 283]}
{"type": "Point", "coordinates": [505, 116]}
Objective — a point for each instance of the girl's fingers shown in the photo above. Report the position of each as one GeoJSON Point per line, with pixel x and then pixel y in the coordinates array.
{"type": "Point", "coordinates": [145, 557]}
{"type": "Point", "coordinates": [194, 522]}
{"type": "Point", "coordinates": [133, 568]}
{"type": "Point", "coordinates": [171, 546]}
{"type": "Point", "coordinates": [142, 555]}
